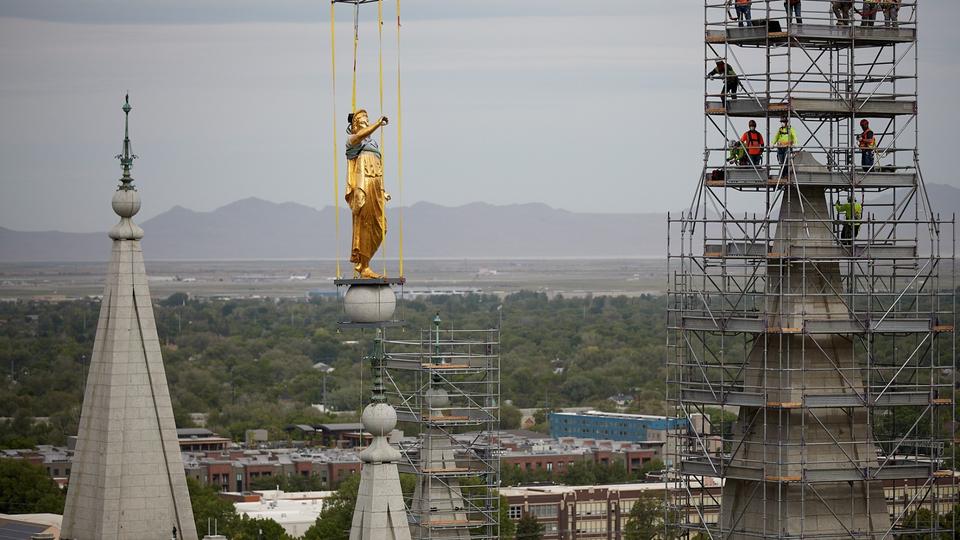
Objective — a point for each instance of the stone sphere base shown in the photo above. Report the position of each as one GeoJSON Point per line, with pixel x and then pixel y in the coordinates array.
{"type": "Point", "coordinates": [369, 303]}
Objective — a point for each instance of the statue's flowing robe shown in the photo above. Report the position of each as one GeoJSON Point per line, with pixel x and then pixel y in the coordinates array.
{"type": "Point", "coordinates": [366, 197]}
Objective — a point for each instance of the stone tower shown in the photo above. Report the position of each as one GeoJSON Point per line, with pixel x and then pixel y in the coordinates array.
{"type": "Point", "coordinates": [380, 513]}
{"type": "Point", "coordinates": [127, 479]}
{"type": "Point", "coordinates": [439, 497]}
{"type": "Point", "coordinates": [794, 444]}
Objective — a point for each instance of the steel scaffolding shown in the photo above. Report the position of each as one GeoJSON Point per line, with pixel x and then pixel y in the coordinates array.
{"type": "Point", "coordinates": [820, 343]}
{"type": "Point", "coordinates": [446, 388]}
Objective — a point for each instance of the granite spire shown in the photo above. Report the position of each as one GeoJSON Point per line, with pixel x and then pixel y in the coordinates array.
{"type": "Point", "coordinates": [127, 479]}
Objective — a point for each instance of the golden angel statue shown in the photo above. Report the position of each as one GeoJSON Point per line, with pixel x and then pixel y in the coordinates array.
{"type": "Point", "coordinates": [365, 194]}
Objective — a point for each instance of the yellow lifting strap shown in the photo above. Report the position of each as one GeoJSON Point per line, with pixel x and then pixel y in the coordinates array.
{"type": "Point", "coordinates": [383, 151]}
{"type": "Point", "coordinates": [353, 107]}
{"type": "Point", "coordinates": [399, 147]}
{"type": "Point", "coordinates": [336, 156]}
{"type": "Point", "coordinates": [356, 44]}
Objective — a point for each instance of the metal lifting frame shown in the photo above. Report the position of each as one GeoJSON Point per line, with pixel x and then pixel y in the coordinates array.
{"type": "Point", "coordinates": [738, 263]}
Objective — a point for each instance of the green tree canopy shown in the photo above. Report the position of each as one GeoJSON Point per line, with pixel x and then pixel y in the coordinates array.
{"type": "Point", "coordinates": [337, 514]}
{"type": "Point", "coordinates": [528, 528]}
{"type": "Point", "coordinates": [25, 488]}
{"type": "Point", "coordinates": [645, 520]}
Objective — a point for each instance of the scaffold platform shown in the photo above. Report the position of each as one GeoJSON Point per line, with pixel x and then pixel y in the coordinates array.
{"type": "Point", "coordinates": [814, 36]}
{"type": "Point", "coordinates": [747, 106]}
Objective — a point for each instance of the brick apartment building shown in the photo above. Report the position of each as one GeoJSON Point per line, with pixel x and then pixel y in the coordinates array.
{"type": "Point", "coordinates": [584, 512]}
{"type": "Point", "coordinates": [236, 470]}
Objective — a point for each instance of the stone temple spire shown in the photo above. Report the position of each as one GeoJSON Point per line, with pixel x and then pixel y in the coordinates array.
{"type": "Point", "coordinates": [127, 479]}
{"type": "Point", "coordinates": [379, 513]}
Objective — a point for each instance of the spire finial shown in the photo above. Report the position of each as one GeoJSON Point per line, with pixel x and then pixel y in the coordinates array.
{"type": "Point", "coordinates": [126, 200]}
{"type": "Point", "coordinates": [126, 158]}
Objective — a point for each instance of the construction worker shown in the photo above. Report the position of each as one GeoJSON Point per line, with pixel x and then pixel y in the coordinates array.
{"type": "Point", "coordinates": [752, 141]}
{"type": "Point", "coordinates": [731, 80]}
{"type": "Point", "coordinates": [869, 12]}
{"type": "Point", "coordinates": [891, 9]}
{"type": "Point", "coordinates": [852, 211]}
{"type": "Point", "coordinates": [736, 154]}
{"type": "Point", "coordinates": [785, 140]}
{"type": "Point", "coordinates": [841, 10]}
{"type": "Point", "coordinates": [867, 142]}
{"type": "Point", "coordinates": [742, 8]}
{"type": "Point", "coordinates": [793, 10]}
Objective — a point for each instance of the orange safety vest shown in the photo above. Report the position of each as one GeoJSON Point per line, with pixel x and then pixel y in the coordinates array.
{"type": "Point", "coordinates": [743, 2]}
{"type": "Point", "coordinates": [753, 140]}
{"type": "Point", "coordinates": [867, 140]}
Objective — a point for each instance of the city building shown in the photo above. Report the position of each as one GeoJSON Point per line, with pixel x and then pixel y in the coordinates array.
{"type": "Point", "coordinates": [587, 512]}
{"type": "Point", "coordinates": [237, 470]}
{"type": "Point", "coordinates": [295, 512]}
{"type": "Point", "coordinates": [30, 526]}
{"type": "Point", "coordinates": [613, 426]}
{"type": "Point", "coordinates": [201, 440]}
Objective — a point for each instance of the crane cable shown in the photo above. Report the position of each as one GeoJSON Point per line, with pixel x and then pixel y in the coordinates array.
{"type": "Point", "coordinates": [336, 157]}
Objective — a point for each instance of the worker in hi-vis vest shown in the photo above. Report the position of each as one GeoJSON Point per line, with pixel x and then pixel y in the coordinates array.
{"type": "Point", "coordinates": [867, 142]}
{"type": "Point", "coordinates": [753, 142]}
{"type": "Point", "coordinates": [852, 212]}
{"type": "Point", "coordinates": [868, 15]}
{"type": "Point", "coordinates": [743, 11]}
{"type": "Point", "coordinates": [735, 153]}
{"type": "Point", "coordinates": [785, 140]}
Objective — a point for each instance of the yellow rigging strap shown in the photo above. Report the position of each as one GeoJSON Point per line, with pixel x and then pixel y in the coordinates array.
{"type": "Point", "coordinates": [399, 149]}
{"type": "Point", "coordinates": [356, 44]}
{"type": "Point", "coordinates": [353, 108]}
{"type": "Point", "coordinates": [336, 156]}
{"type": "Point", "coordinates": [383, 151]}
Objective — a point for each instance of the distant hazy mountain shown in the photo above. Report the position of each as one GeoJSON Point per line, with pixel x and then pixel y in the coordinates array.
{"type": "Point", "coordinates": [258, 229]}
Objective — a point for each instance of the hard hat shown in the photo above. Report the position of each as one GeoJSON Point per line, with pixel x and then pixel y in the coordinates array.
{"type": "Point", "coordinates": [753, 123]}
{"type": "Point", "coordinates": [864, 123]}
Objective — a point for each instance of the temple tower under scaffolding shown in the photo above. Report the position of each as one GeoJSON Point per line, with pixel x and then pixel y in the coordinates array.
{"type": "Point", "coordinates": [447, 385]}
{"type": "Point", "coordinates": [816, 330]}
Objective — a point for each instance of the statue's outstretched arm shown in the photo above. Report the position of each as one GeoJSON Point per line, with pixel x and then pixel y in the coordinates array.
{"type": "Point", "coordinates": [367, 131]}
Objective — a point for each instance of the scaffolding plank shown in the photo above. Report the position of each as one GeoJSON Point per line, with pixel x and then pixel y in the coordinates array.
{"type": "Point", "coordinates": [784, 404]}
{"type": "Point", "coordinates": [768, 177]}
{"type": "Point", "coordinates": [444, 366]}
{"type": "Point", "coordinates": [815, 35]}
{"type": "Point", "coordinates": [702, 467]}
{"type": "Point", "coordinates": [737, 399]}
{"type": "Point", "coordinates": [783, 479]}
{"type": "Point", "coordinates": [732, 324]}
{"type": "Point", "coordinates": [834, 326]}
{"type": "Point", "coordinates": [756, 250]}
{"type": "Point", "coordinates": [453, 523]}
{"type": "Point", "coordinates": [752, 107]}
{"type": "Point", "coordinates": [818, 401]}
{"type": "Point", "coordinates": [901, 325]}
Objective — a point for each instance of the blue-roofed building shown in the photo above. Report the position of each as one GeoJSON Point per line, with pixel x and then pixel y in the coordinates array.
{"type": "Point", "coordinates": [614, 426]}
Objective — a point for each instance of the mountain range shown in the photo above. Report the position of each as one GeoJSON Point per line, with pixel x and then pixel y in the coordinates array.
{"type": "Point", "coordinates": [257, 229]}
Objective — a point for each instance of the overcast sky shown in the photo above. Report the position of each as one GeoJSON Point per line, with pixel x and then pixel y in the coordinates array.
{"type": "Point", "coordinates": [586, 106]}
